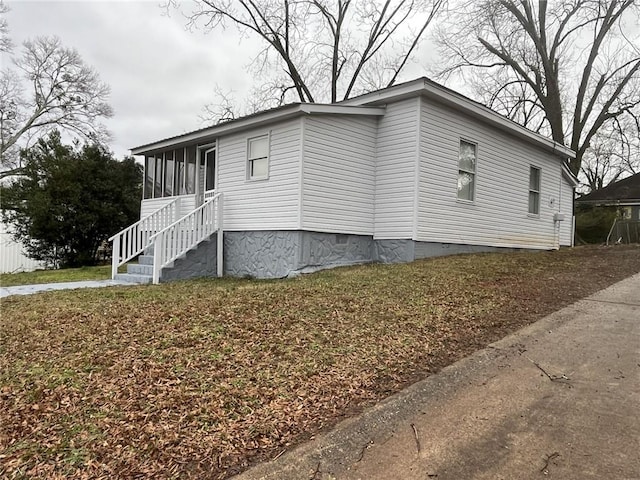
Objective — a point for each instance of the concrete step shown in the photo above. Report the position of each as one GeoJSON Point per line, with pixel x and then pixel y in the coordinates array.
{"type": "Point", "coordinates": [133, 278]}
{"type": "Point", "coordinates": [145, 260]}
{"type": "Point", "coordinates": [140, 269]}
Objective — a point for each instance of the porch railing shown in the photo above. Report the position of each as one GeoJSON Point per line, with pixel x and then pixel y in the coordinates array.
{"type": "Point", "coordinates": [133, 240]}
{"type": "Point", "coordinates": [184, 234]}
{"type": "Point", "coordinates": [209, 194]}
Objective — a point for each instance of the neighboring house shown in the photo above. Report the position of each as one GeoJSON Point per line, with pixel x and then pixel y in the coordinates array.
{"type": "Point", "coordinates": [624, 195]}
{"type": "Point", "coordinates": [407, 172]}
{"type": "Point", "coordinates": [12, 257]}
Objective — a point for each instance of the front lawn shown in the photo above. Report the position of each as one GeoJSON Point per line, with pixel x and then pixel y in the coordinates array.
{"type": "Point", "coordinates": [199, 379]}
{"type": "Point", "coordinates": [55, 276]}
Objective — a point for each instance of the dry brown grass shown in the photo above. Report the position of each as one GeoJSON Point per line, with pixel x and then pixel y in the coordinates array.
{"type": "Point", "coordinates": [101, 272]}
{"type": "Point", "coordinates": [199, 379]}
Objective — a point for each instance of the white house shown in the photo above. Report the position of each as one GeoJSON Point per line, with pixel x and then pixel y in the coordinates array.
{"type": "Point", "coordinates": [407, 172]}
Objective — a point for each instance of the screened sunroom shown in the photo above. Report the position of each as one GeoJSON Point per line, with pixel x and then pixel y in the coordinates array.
{"type": "Point", "coordinates": [179, 171]}
{"type": "Point", "coordinates": [187, 172]}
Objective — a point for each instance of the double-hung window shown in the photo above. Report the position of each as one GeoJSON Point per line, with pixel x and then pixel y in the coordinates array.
{"type": "Point", "coordinates": [467, 171]}
{"type": "Point", "coordinates": [258, 158]}
{"type": "Point", "coordinates": [534, 190]}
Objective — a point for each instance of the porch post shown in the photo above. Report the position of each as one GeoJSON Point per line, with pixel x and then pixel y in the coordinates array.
{"type": "Point", "coordinates": [198, 190]}
{"type": "Point", "coordinates": [220, 240]}
{"type": "Point", "coordinates": [157, 255]}
{"type": "Point", "coordinates": [115, 256]}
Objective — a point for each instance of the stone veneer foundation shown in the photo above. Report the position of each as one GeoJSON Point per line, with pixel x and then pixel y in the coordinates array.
{"type": "Point", "coordinates": [277, 254]}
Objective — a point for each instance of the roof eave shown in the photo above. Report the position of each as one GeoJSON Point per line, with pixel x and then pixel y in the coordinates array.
{"type": "Point", "coordinates": [611, 202]}
{"type": "Point", "coordinates": [332, 109]}
{"type": "Point", "coordinates": [429, 89]}
{"type": "Point", "coordinates": [258, 120]}
{"type": "Point", "coordinates": [395, 92]}
{"type": "Point", "coordinates": [569, 175]}
{"type": "Point", "coordinates": [216, 130]}
{"type": "Point", "coordinates": [502, 123]}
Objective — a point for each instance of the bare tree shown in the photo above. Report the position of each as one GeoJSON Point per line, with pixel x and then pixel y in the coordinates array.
{"type": "Point", "coordinates": [5, 41]}
{"type": "Point", "coordinates": [614, 153]}
{"type": "Point", "coordinates": [224, 109]}
{"type": "Point", "coordinates": [322, 50]}
{"type": "Point", "coordinates": [568, 67]}
{"type": "Point", "coordinates": [50, 87]}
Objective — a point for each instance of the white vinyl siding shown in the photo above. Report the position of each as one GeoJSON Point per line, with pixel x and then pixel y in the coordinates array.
{"type": "Point", "coordinates": [150, 205]}
{"type": "Point", "coordinates": [339, 174]}
{"type": "Point", "coordinates": [566, 208]}
{"type": "Point", "coordinates": [498, 216]}
{"type": "Point", "coordinates": [396, 170]}
{"type": "Point", "coordinates": [261, 205]}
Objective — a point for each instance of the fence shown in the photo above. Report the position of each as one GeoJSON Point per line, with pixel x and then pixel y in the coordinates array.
{"type": "Point", "coordinates": [624, 231]}
{"type": "Point", "coordinates": [12, 258]}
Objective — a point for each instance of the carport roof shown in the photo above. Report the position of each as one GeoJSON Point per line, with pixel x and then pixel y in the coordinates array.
{"type": "Point", "coordinates": [622, 192]}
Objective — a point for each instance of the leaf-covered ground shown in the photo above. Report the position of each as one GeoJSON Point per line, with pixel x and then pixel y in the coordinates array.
{"type": "Point", "coordinates": [199, 379]}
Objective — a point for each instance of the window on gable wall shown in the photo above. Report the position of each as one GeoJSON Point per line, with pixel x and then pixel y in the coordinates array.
{"type": "Point", "coordinates": [534, 190]}
{"type": "Point", "coordinates": [258, 158]}
{"type": "Point", "coordinates": [466, 171]}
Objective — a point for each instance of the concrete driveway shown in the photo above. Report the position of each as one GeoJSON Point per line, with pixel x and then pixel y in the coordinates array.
{"type": "Point", "coordinates": [559, 399]}
{"type": "Point", "coordinates": [49, 287]}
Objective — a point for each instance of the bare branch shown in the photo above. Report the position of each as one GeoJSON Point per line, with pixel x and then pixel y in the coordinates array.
{"type": "Point", "coordinates": [65, 93]}
{"type": "Point", "coordinates": [546, 46]}
{"type": "Point", "coordinates": [6, 45]}
{"type": "Point", "coordinates": [327, 48]}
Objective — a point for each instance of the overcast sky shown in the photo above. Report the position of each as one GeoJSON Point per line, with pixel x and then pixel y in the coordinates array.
{"type": "Point", "coordinates": [161, 75]}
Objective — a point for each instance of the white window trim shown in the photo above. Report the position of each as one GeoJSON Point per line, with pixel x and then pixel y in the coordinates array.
{"type": "Point", "coordinates": [204, 148]}
{"type": "Point", "coordinates": [474, 173]}
{"type": "Point", "coordinates": [539, 191]}
{"type": "Point", "coordinates": [249, 178]}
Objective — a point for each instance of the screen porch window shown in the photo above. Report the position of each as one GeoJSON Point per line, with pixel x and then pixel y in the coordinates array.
{"type": "Point", "coordinates": [178, 179]}
{"type": "Point", "coordinates": [258, 158]}
{"type": "Point", "coordinates": [149, 163]}
{"type": "Point", "coordinates": [157, 178]}
{"type": "Point", "coordinates": [170, 173]}
{"type": "Point", "coordinates": [534, 190]}
{"type": "Point", "coordinates": [466, 171]}
{"type": "Point", "coordinates": [190, 173]}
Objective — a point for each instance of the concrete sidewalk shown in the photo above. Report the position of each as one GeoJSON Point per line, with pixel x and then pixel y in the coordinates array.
{"type": "Point", "coordinates": [47, 287]}
{"type": "Point", "coordinates": [559, 399]}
